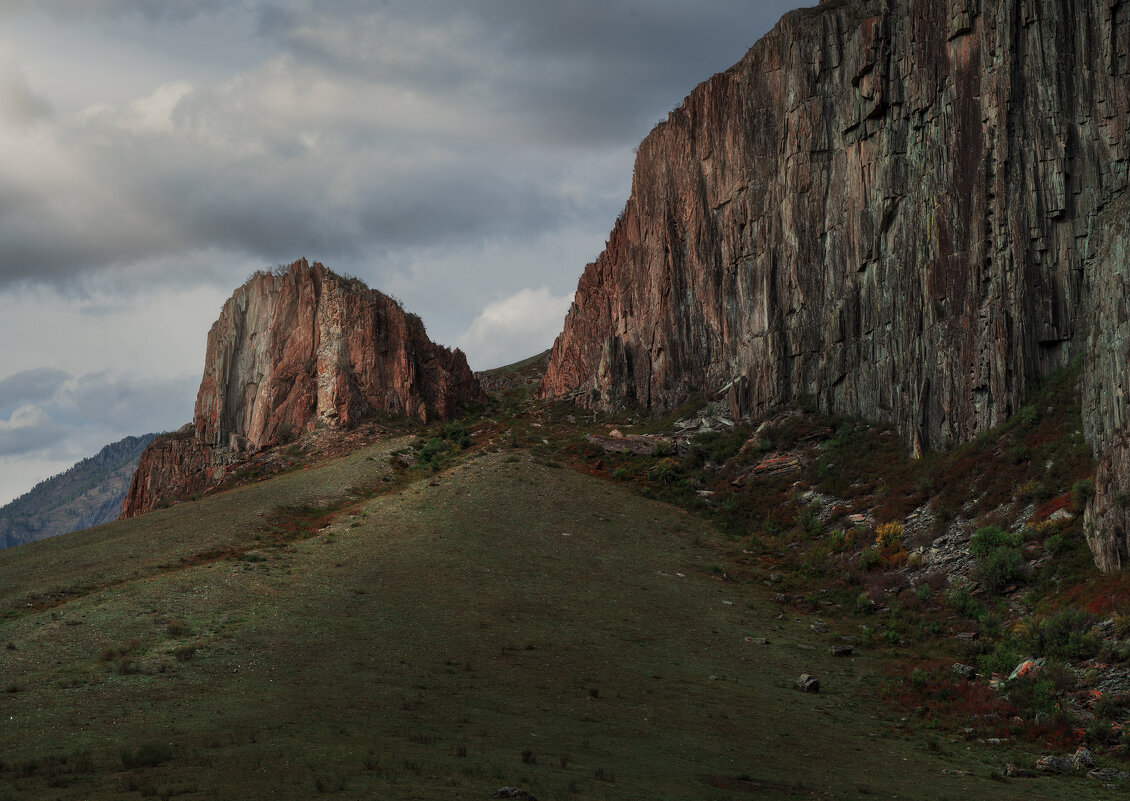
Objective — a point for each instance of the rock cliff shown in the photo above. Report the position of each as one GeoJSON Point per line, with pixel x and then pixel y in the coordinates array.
{"type": "Point", "coordinates": [293, 349]}
{"type": "Point", "coordinates": [909, 211]}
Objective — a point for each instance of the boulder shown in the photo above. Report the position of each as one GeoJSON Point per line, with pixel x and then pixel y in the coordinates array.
{"type": "Point", "coordinates": [807, 684]}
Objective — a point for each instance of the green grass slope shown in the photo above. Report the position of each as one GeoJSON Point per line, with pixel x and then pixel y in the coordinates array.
{"type": "Point", "coordinates": [345, 631]}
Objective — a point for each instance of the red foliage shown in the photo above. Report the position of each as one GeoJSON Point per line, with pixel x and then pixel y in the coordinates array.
{"type": "Point", "coordinates": [1100, 596]}
{"type": "Point", "coordinates": [952, 703]}
{"type": "Point", "coordinates": [1048, 508]}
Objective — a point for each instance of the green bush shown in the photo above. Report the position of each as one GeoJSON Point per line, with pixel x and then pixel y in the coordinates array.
{"type": "Point", "coordinates": [1027, 416]}
{"type": "Point", "coordinates": [1002, 659]}
{"type": "Point", "coordinates": [997, 557]}
{"type": "Point", "coordinates": [432, 450]}
{"type": "Point", "coordinates": [1081, 493]}
{"type": "Point", "coordinates": [1018, 454]}
{"type": "Point", "coordinates": [958, 598]}
{"type": "Point", "coordinates": [456, 432]}
{"type": "Point", "coordinates": [1065, 635]}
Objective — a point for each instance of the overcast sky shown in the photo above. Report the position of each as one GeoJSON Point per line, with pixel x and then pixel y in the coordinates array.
{"type": "Point", "coordinates": [467, 157]}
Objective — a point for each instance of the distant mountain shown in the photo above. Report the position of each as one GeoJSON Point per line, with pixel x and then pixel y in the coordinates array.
{"type": "Point", "coordinates": [88, 494]}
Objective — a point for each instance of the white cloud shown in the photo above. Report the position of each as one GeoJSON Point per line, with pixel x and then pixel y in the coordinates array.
{"type": "Point", "coordinates": [515, 327]}
{"type": "Point", "coordinates": [19, 105]}
{"type": "Point", "coordinates": [155, 112]}
{"type": "Point", "coordinates": [28, 429]}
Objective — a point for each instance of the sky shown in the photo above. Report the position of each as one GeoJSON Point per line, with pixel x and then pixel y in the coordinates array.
{"type": "Point", "coordinates": [468, 158]}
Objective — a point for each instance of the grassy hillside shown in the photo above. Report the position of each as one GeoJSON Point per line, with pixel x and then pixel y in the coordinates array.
{"type": "Point", "coordinates": [86, 495]}
{"type": "Point", "coordinates": [355, 630]}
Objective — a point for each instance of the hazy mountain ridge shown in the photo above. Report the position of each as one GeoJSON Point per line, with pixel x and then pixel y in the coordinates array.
{"type": "Point", "coordinates": [88, 494]}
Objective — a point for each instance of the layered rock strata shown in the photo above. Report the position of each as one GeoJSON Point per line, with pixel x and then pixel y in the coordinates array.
{"type": "Point", "coordinates": [895, 209]}
{"type": "Point", "coordinates": [291, 350]}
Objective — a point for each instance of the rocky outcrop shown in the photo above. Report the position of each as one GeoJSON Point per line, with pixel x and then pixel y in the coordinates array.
{"type": "Point", "coordinates": [896, 210]}
{"type": "Point", "coordinates": [174, 466]}
{"type": "Point", "coordinates": [293, 349]}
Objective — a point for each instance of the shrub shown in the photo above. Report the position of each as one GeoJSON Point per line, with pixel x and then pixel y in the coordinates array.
{"type": "Point", "coordinates": [889, 535]}
{"type": "Point", "coordinates": [456, 432]}
{"type": "Point", "coordinates": [664, 473]}
{"type": "Point", "coordinates": [997, 557]}
{"type": "Point", "coordinates": [1081, 493]}
{"type": "Point", "coordinates": [1027, 416]}
{"type": "Point", "coordinates": [432, 450]}
{"type": "Point", "coordinates": [1002, 659]}
{"type": "Point", "coordinates": [959, 598]}
{"type": "Point", "coordinates": [1065, 635]}
{"type": "Point", "coordinates": [999, 569]}
{"type": "Point", "coordinates": [808, 520]}
{"type": "Point", "coordinates": [1018, 454]}
{"type": "Point", "coordinates": [147, 755]}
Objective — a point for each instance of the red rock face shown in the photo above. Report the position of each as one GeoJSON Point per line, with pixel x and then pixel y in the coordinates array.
{"type": "Point", "coordinates": [174, 466]}
{"type": "Point", "coordinates": [889, 208]}
{"type": "Point", "coordinates": [297, 349]}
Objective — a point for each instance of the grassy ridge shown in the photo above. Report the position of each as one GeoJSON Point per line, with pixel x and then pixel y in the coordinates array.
{"type": "Point", "coordinates": [498, 623]}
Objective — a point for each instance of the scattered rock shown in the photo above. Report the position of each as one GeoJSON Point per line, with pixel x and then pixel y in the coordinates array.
{"type": "Point", "coordinates": [777, 463]}
{"type": "Point", "coordinates": [1083, 759]}
{"type": "Point", "coordinates": [757, 640]}
{"type": "Point", "coordinates": [819, 628]}
{"type": "Point", "coordinates": [1029, 667]}
{"type": "Point", "coordinates": [634, 443]}
{"type": "Point", "coordinates": [512, 792]}
{"type": "Point", "coordinates": [841, 650]}
{"type": "Point", "coordinates": [965, 671]}
{"type": "Point", "coordinates": [1108, 775]}
{"type": "Point", "coordinates": [1054, 764]}
{"type": "Point", "coordinates": [807, 684]}
{"type": "Point", "coordinates": [1013, 771]}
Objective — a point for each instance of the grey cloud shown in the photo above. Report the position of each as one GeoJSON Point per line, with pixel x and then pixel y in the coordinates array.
{"type": "Point", "coordinates": [29, 429]}
{"type": "Point", "coordinates": [371, 130]}
{"type": "Point", "coordinates": [19, 105]}
{"type": "Point", "coordinates": [22, 441]}
{"type": "Point", "coordinates": [30, 387]}
{"type": "Point", "coordinates": [42, 406]}
{"type": "Point", "coordinates": [150, 10]}
{"type": "Point", "coordinates": [128, 404]}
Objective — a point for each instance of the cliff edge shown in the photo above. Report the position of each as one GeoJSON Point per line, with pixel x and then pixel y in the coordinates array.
{"type": "Point", "coordinates": [909, 211]}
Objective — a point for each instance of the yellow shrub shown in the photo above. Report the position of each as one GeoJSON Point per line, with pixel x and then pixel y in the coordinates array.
{"type": "Point", "coordinates": [889, 534]}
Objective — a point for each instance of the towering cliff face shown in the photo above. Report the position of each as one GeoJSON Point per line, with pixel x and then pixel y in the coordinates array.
{"type": "Point", "coordinates": [292, 350]}
{"type": "Point", "coordinates": [897, 209]}
{"type": "Point", "coordinates": [307, 345]}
